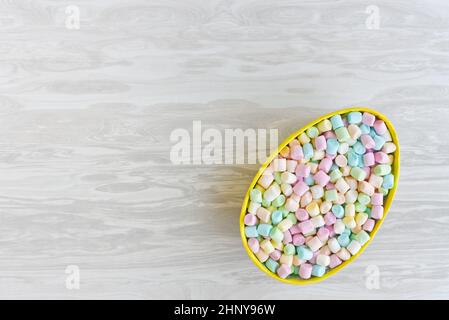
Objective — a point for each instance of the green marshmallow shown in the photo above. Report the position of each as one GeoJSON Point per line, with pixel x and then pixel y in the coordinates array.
{"type": "Point", "coordinates": [292, 218]}
{"type": "Point", "coordinates": [383, 191]}
{"type": "Point", "coordinates": [289, 249]}
{"type": "Point", "coordinates": [266, 203]}
{"type": "Point", "coordinates": [335, 175]}
{"type": "Point", "coordinates": [359, 207]}
{"type": "Point", "coordinates": [285, 212]}
{"type": "Point", "coordinates": [382, 170]}
{"type": "Point", "coordinates": [277, 177]}
{"type": "Point", "coordinates": [276, 234]}
{"type": "Point", "coordinates": [272, 265]}
{"type": "Point", "coordinates": [358, 173]}
{"type": "Point", "coordinates": [362, 237]}
{"type": "Point", "coordinates": [295, 269]}
{"type": "Point", "coordinates": [342, 134]}
{"type": "Point", "coordinates": [279, 201]}
{"type": "Point", "coordinates": [363, 198]}
{"type": "Point", "coordinates": [331, 195]}
{"type": "Point", "coordinates": [368, 212]}
{"type": "Point", "coordinates": [256, 196]}
{"type": "Point", "coordinates": [312, 132]}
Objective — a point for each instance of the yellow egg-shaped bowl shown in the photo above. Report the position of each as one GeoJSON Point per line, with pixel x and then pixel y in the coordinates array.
{"type": "Point", "coordinates": [387, 200]}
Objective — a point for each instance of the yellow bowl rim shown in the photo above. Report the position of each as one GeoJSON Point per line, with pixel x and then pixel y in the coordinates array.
{"type": "Point", "coordinates": [387, 202]}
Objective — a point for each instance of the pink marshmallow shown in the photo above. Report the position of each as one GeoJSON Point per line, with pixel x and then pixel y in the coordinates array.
{"type": "Point", "coordinates": [253, 244]}
{"type": "Point", "coordinates": [325, 164]}
{"type": "Point", "coordinates": [329, 135]}
{"type": "Point", "coordinates": [377, 212]}
{"type": "Point", "coordinates": [369, 225]}
{"type": "Point", "coordinates": [250, 219]}
{"type": "Point", "coordinates": [368, 119]}
{"type": "Point", "coordinates": [305, 270]}
{"type": "Point", "coordinates": [367, 141]}
{"type": "Point", "coordinates": [296, 152]}
{"type": "Point", "coordinates": [331, 231]}
{"type": "Point", "coordinates": [313, 259]}
{"type": "Point", "coordinates": [320, 143]}
{"type": "Point", "coordinates": [294, 142]}
{"type": "Point", "coordinates": [329, 219]}
{"type": "Point", "coordinates": [321, 178]}
{"type": "Point", "coordinates": [368, 159]}
{"type": "Point", "coordinates": [381, 157]}
{"type": "Point", "coordinates": [306, 199]}
{"type": "Point", "coordinates": [377, 199]}
{"type": "Point", "coordinates": [287, 237]}
{"type": "Point", "coordinates": [330, 186]}
{"type": "Point", "coordinates": [302, 214]}
{"type": "Point", "coordinates": [284, 270]}
{"type": "Point", "coordinates": [380, 127]}
{"type": "Point", "coordinates": [323, 234]}
{"type": "Point", "coordinates": [306, 226]}
{"type": "Point", "coordinates": [367, 172]}
{"type": "Point", "coordinates": [294, 229]}
{"type": "Point", "coordinates": [300, 188]}
{"type": "Point", "coordinates": [302, 170]}
{"type": "Point", "coordinates": [275, 255]}
{"type": "Point", "coordinates": [335, 261]}
{"type": "Point", "coordinates": [298, 239]}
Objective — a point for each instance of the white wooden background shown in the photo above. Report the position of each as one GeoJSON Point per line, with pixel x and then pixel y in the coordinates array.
{"type": "Point", "coordinates": [85, 119]}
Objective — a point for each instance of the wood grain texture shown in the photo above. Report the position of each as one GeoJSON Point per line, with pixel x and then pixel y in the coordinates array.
{"type": "Point", "coordinates": [86, 116]}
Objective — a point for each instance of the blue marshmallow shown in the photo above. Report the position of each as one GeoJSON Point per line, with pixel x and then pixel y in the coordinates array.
{"type": "Point", "coordinates": [251, 232]}
{"type": "Point", "coordinates": [332, 146]}
{"type": "Point", "coordinates": [388, 182]}
{"type": "Point", "coordinates": [359, 148]}
{"type": "Point", "coordinates": [380, 141]}
{"type": "Point", "coordinates": [338, 210]}
{"type": "Point", "coordinates": [307, 149]}
{"type": "Point", "coordinates": [353, 159]}
{"type": "Point", "coordinates": [276, 216]}
{"type": "Point", "coordinates": [304, 253]}
{"type": "Point", "coordinates": [264, 229]}
{"type": "Point", "coordinates": [309, 180]}
{"type": "Point", "coordinates": [354, 117]}
{"type": "Point", "coordinates": [318, 270]}
{"type": "Point", "coordinates": [365, 129]}
{"type": "Point", "coordinates": [343, 240]}
{"type": "Point", "coordinates": [336, 121]}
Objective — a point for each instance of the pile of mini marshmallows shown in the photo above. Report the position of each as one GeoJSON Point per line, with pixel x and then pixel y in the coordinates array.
{"type": "Point", "coordinates": [318, 200]}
